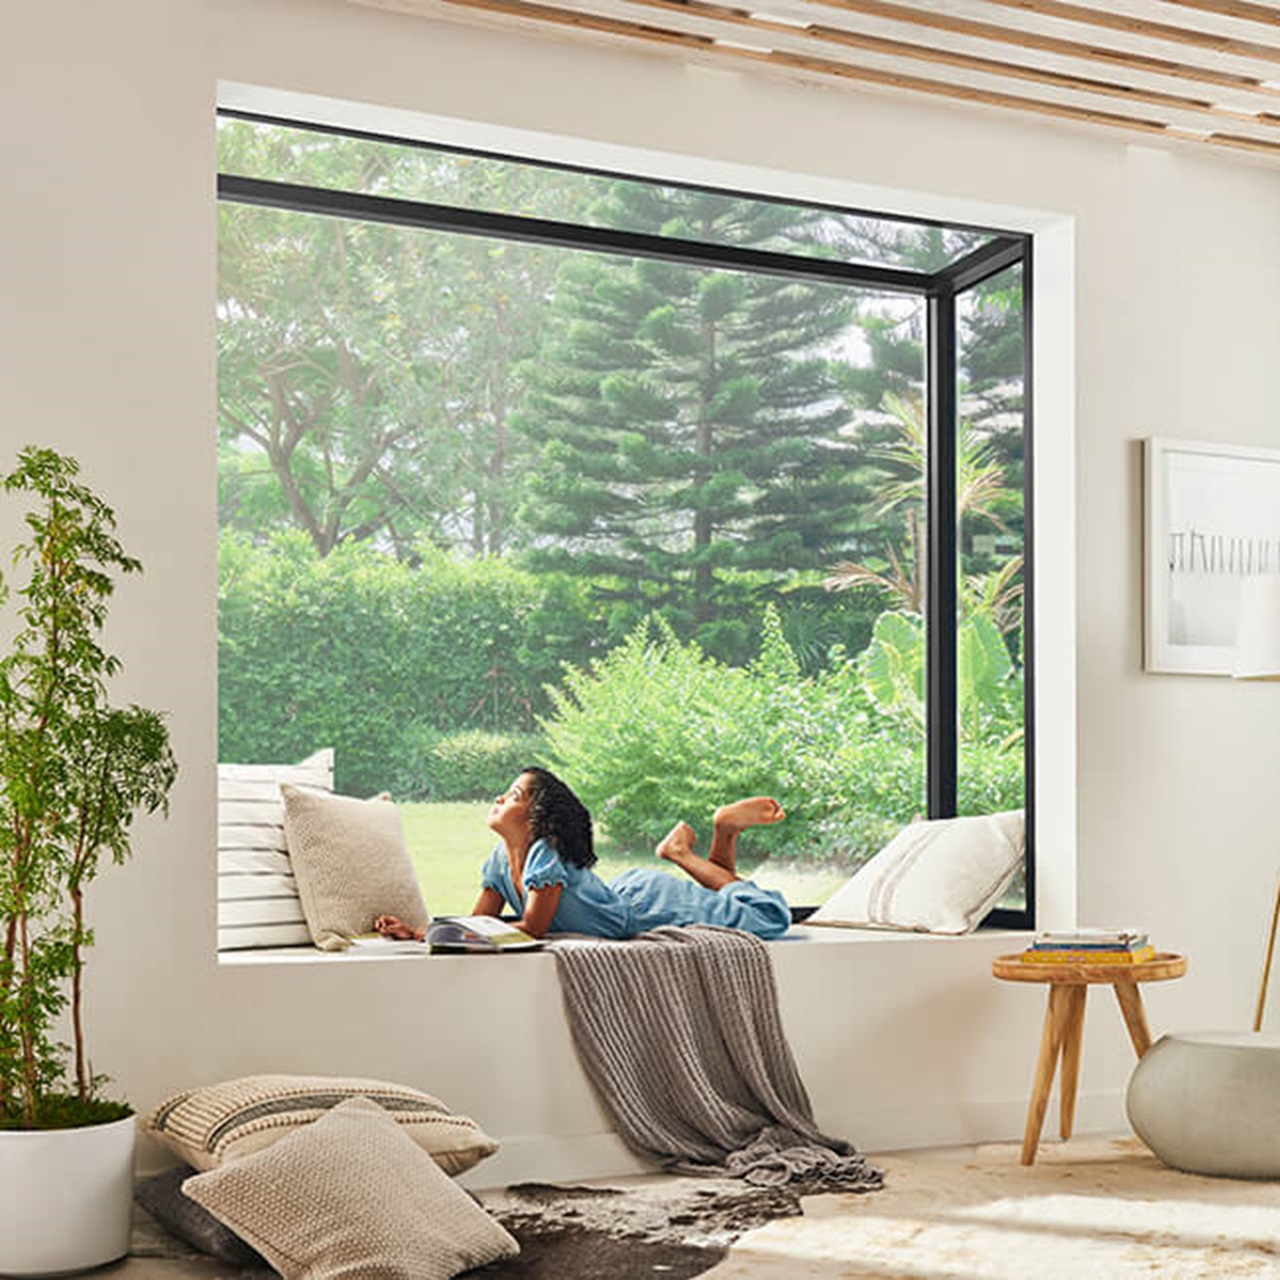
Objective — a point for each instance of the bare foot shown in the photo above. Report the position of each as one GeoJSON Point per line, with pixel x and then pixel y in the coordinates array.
{"type": "Point", "coordinates": [755, 812]}
{"type": "Point", "coordinates": [677, 843]}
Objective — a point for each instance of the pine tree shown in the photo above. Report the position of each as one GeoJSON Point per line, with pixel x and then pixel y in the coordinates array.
{"type": "Point", "coordinates": [689, 422]}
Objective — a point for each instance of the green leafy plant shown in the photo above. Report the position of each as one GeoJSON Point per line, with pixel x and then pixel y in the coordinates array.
{"type": "Point", "coordinates": [657, 730]}
{"type": "Point", "coordinates": [472, 764]}
{"type": "Point", "coordinates": [381, 654]}
{"type": "Point", "coordinates": [74, 773]}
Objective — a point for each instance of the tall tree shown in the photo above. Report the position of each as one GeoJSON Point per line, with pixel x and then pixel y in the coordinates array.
{"type": "Point", "coordinates": [691, 433]}
{"type": "Point", "coordinates": [886, 397]}
{"type": "Point", "coordinates": [367, 372]}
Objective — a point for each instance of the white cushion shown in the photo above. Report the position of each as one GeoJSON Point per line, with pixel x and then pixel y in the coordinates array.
{"type": "Point", "coordinates": [351, 864]}
{"type": "Point", "coordinates": [258, 902]}
{"type": "Point", "coordinates": [939, 876]}
{"type": "Point", "coordinates": [352, 1196]}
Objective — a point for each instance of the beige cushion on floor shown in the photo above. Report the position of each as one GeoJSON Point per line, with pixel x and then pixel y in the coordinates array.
{"type": "Point", "coordinates": [940, 876]}
{"type": "Point", "coordinates": [221, 1122]}
{"type": "Point", "coordinates": [351, 1196]}
{"type": "Point", "coordinates": [351, 864]}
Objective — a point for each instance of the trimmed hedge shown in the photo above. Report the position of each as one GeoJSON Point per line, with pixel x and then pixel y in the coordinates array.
{"type": "Point", "coordinates": [375, 657]}
{"type": "Point", "coordinates": [472, 765]}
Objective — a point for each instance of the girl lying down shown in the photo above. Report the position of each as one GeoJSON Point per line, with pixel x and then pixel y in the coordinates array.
{"type": "Point", "coordinates": [542, 871]}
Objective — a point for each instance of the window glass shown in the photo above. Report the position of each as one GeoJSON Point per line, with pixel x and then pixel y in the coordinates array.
{"type": "Point", "coordinates": [991, 544]}
{"type": "Point", "coordinates": [499, 185]}
{"type": "Point", "coordinates": [486, 503]}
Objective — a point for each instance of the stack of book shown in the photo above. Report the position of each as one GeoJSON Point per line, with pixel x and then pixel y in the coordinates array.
{"type": "Point", "coordinates": [1089, 946]}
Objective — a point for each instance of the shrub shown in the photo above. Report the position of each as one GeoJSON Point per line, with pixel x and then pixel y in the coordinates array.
{"type": "Point", "coordinates": [472, 765]}
{"type": "Point", "coordinates": [350, 650]}
{"type": "Point", "coordinates": [656, 731]}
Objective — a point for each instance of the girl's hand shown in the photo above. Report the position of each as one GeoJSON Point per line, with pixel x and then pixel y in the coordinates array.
{"type": "Point", "coordinates": [393, 927]}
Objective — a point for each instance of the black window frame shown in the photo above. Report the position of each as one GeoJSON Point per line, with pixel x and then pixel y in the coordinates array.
{"type": "Point", "coordinates": [940, 291]}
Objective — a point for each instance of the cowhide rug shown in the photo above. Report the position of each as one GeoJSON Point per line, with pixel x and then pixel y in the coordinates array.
{"type": "Point", "coordinates": [656, 1227]}
{"type": "Point", "coordinates": [1099, 1207]}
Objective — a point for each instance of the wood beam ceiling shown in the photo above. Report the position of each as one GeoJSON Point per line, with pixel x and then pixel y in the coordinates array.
{"type": "Point", "coordinates": [1200, 70]}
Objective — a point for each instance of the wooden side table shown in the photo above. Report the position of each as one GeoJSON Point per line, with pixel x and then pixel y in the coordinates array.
{"type": "Point", "coordinates": [1064, 1024]}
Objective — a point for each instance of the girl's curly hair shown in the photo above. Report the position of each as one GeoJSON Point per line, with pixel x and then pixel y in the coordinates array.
{"type": "Point", "coordinates": [557, 816]}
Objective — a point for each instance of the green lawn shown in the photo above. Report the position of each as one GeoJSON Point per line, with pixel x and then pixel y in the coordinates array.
{"type": "Point", "coordinates": [448, 843]}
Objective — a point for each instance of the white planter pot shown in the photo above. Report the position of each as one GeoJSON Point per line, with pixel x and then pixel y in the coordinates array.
{"type": "Point", "coordinates": [66, 1198]}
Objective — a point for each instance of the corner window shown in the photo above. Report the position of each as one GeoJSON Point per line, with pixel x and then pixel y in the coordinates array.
{"type": "Point", "coordinates": [685, 493]}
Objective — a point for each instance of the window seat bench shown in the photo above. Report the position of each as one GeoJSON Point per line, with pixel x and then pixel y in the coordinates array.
{"type": "Point", "coordinates": [902, 1039]}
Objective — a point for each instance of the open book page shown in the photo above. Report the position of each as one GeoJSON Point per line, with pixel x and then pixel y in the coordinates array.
{"type": "Point", "coordinates": [377, 944]}
{"type": "Point", "coordinates": [451, 933]}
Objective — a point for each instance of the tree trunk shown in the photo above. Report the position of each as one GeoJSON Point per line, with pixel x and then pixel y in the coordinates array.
{"type": "Point", "coordinates": [27, 1019]}
{"type": "Point", "coordinates": [77, 984]}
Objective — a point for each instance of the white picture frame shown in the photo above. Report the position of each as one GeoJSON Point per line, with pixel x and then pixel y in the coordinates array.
{"type": "Point", "coordinates": [1212, 517]}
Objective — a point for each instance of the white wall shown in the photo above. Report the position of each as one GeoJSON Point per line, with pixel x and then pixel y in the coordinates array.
{"type": "Point", "coordinates": [106, 350]}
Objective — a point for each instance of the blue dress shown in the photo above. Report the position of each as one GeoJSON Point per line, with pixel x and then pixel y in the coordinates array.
{"type": "Point", "coordinates": [639, 899]}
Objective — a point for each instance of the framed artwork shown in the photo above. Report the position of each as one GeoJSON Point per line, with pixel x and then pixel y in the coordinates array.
{"type": "Point", "coordinates": [1212, 519]}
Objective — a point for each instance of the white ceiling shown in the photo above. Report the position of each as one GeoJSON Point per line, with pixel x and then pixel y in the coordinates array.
{"type": "Point", "coordinates": [1206, 71]}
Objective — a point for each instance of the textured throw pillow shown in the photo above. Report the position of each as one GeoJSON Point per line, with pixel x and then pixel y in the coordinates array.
{"type": "Point", "coordinates": [258, 903]}
{"type": "Point", "coordinates": [163, 1198]}
{"type": "Point", "coordinates": [940, 876]}
{"type": "Point", "coordinates": [221, 1122]}
{"type": "Point", "coordinates": [351, 864]}
{"type": "Point", "coordinates": [351, 1196]}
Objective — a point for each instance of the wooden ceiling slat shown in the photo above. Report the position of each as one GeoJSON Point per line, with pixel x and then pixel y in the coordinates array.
{"type": "Point", "coordinates": [1143, 27]}
{"type": "Point", "coordinates": [1245, 10]}
{"type": "Point", "coordinates": [977, 29]}
{"type": "Point", "coordinates": [944, 56]}
{"type": "Point", "coordinates": [1014, 70]}
{"type": "Point", "coordinates": [1241, 142]}
{"type": "Point", "coordinates": [978, 79]}
{"type": "Point", "coordinates": [826, 67]}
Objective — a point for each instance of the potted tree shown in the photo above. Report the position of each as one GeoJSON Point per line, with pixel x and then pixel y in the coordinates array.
{"type": "Point", "coordinates": [74, 773]}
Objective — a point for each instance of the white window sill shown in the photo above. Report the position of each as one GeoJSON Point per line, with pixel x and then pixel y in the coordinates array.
{"type": "Point", "coordinates": [804, 934]}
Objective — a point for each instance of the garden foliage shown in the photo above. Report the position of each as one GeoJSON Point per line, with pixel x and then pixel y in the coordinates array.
{"type": "Point", "coordinates": [381, 659]}
{"type": "Point", "coordinates": [440, 681]}
{"type": "Point", "coordinates": [657, 730]}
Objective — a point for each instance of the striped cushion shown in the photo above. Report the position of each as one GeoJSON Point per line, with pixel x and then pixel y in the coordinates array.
{"type": "Point", "coordinates": [941, 876]}
{"type": "Point", "coordinates": [220, 1122]}
{"type": "Point", "coordinates": [258, 903]}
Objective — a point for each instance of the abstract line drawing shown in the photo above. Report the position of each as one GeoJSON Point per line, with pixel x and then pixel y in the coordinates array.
{"type": "Point", "coordinates": [1212, 519]}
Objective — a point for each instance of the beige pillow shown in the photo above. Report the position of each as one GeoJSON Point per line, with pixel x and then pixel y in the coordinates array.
{"type": "Point", "coordinates": [221, 1122]}
{"type": "Point", "coordinates": [351, 1196]}
{"type": "Point", "coordinates": [351, 864]}
{"type": "Point", "coordinates": [940, 876]}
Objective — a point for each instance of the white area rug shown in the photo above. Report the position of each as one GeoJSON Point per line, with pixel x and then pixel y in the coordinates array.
{"type": "Point", "coordinates": [1088, 1209]}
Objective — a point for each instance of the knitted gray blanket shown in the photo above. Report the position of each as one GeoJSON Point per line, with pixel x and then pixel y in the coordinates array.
{"type": "Point", "coordinates": [679, 1033]}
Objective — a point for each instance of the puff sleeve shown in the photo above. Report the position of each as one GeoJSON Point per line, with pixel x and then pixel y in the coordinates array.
{"type": "Point", "coordinates": [544, 867]}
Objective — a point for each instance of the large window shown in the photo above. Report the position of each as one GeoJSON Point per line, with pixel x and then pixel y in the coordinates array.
{"type": "Point", "coordinates": [685, 493]}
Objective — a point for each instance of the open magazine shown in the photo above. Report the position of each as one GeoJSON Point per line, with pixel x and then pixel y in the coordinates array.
{"type": "Point", "coordinates": [452, 934]}
{"type": "Point", "coordinates": [477, 933]}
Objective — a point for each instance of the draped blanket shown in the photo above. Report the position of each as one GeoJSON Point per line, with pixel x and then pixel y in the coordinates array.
{"type": "Point", "coordinates": [679, 1033]}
